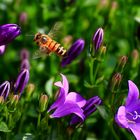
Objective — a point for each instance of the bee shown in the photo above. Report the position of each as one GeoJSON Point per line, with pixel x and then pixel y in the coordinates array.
{"type": "Point", "coordinates": [47, 44]}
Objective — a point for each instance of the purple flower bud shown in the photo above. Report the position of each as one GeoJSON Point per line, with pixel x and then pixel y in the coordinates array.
{"type": "Point", "coordinates": [23, 18]}
{"type": "Point", "coordinates": [73, 52]}
{"type": "Point", "coordinates": [88, 109]}
{"type": "Point", "coordinates": [24, 54]}
{"type": "Point", "coordinates": [4, 89]}
{"type": "Point", "coordinates": [2, 49]}
{"type": "Point", "coordinates": [98, 38]}
{"type": "Point", "coordinates": [8, 32]}
{"type": "Point", "coordinates": [21, 81]}
{"type": "Point", "coordinates": [25, 64]}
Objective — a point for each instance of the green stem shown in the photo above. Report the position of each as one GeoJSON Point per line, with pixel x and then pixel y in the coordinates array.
{"type": "Point", "coordinates": [96, 71]}
{"type": "Point", "coordinates": [113, 132]}
{"type": "Point", "coordinates": [91, 71]}
{"type": "Point", "coordinates": [39, 119]}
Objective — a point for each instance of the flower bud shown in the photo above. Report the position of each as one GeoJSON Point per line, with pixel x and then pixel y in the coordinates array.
{"type": "Point", "coordinates": [21, 81]}
{"type": "Point", "coordinates": [102, 51]}
{"type": "Point", "coordinates": [1, 100]}
{"type": "Point", "coordinates": [8, 32]}
{"type": "Point", "coordinates": [116, 80]}
{"type": "Point", "coordinates": [5, 89]}
{"type": "Point", "coordinates": [43, 103]}
{"type": "Point", "coordinates": [76, 48]}
{"type": "Point", "coordinates": [135, 58]}
{"type": "Point", "coordinates": [98, 39]}
{"type": "Point", "coordinates": [2, 49]}
{"type": "Point", "coordinates": [23, 18]}
{"type": "Point", "coordinates": [25, 64]}
{"type": "Point", "coordinates": [29, 90]}
{"type": "Point", "coordinates": [122, 62]}
{"type": "Point", "coordinates": [14, 100]}
{"type": "Point", "coordinates": [24, 54]}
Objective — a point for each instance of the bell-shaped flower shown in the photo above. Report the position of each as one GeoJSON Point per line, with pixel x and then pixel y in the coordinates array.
{"type": "Point", "coordinates": [8, 32]}
{"type": "Point", "coordinates": [5, 89]}
{"type": "Point", "coordinates": [21, 81]}
{"type": "Point", "coordinates": [67, 103]}
{"type": "Point", "coordinates": [88, 109]}
{"type": "Point", "coordinates": [76, 48]}
{"type": "Point", "coordinates": [98, 38]}
{"type": "Point", "coordinates": [128, 115]}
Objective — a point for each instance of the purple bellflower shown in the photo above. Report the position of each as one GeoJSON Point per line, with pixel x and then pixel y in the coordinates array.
{"type": "Point", "coordinates": [98, 38]}
{"type": "Point", "coordinates": [8, 32]}
{"type": "Point", "coordinates": [76, 48]}
{"type": "Point", "coordinates": [5, 89]}
{"type": "Point", "coordinates": [72, 103]}
{"type": "Point", "coordinates": [67, 103]}
{"type": "Point", "coordinates": [128, 115]}
{"type": "Point", "coordinates": [88, 109]}
{"type": "Point", "coordinates": [21, 81]}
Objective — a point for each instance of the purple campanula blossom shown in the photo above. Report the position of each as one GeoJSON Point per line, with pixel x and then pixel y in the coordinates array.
{"type": "Point", "coordinates": [98, 38]}
{"type": "Point", "coordinates": [76, 48]}
{"type": "Point", "coordinates": [128, 115]}
{"type": "Point", "coordinates": [5, 89]}
{"type": "Point", "coordinates": [21, 81]}
{"type": "Point", "coordinates": [67, 103]}
{"type": "Point", "coordinates": [8, 32]}
{"type": "Point", "coordinates": [88, 109]}
{"type": "Point", "coordinates": [2, 49]}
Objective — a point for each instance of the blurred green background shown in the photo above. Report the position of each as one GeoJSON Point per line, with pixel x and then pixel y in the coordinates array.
{"type": "Point", "coordinates": [81, 18]}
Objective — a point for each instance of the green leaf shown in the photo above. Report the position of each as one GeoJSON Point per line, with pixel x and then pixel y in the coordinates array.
{"type": "Point", "coordinates": [4, 127]}
{"type": "Point", "coordinates": [102, 112]}
{"type": "Point", "coordinates": [48, 86]}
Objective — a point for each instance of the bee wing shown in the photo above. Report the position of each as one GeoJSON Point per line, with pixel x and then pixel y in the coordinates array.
{"type": "Point", "coordinates": [41, 53]}
{"type": "Point", "coordinates": [56, 30]}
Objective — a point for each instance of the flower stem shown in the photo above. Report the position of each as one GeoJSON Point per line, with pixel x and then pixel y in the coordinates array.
{"type": "Point", "coordinates": [91, 65]}
{"type": "Point", "coordinates": [39, 119]}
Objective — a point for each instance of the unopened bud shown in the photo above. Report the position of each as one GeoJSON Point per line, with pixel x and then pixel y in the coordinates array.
{"type": "Point", "coordinates": [29, 90]}
{"type": "Point", "coordinates": [14, 100]}
{"type": "Point", "coordinates": [43, 103]}
{"type": "Point", "coordinates": [116, 80]}
{"type": "Point", "coordinates": [102, 51]}
{"type": "Point", "coordinates": [122, 63]}
{"type": "Point", "coordinates": [1, 99]}
{"type": "Point", "coordinates": [23, 18]}
{"type": "Point", "coordinates": [135, 58]}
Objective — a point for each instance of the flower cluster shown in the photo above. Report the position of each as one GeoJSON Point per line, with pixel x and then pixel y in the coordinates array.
{"type": "Point", "coordinates": [7, 33]}
{"type": "Point", "coordinates": [72, 103]}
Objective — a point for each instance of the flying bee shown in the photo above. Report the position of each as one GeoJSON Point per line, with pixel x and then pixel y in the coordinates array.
{"type": "Point", "coordinates": [47, 44]}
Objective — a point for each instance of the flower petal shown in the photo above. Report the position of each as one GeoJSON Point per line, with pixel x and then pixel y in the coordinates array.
{"type": "Point", "coordinates": [135, 128]}
{"type": "Point", "coordinates": [60, 100]}
{"type": "Point", "coordinates": [133, 94]}
{"type": "Point", "coordinates": [68, 108]}
{"type": "Point", "coordinates": [120, 118]}
{"type": "Point", "coordinates": [2, 49]}
{"type": "Point", "coordinates": [78, 99]}
{"type": "Point", "coordinates": [65, 83]}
